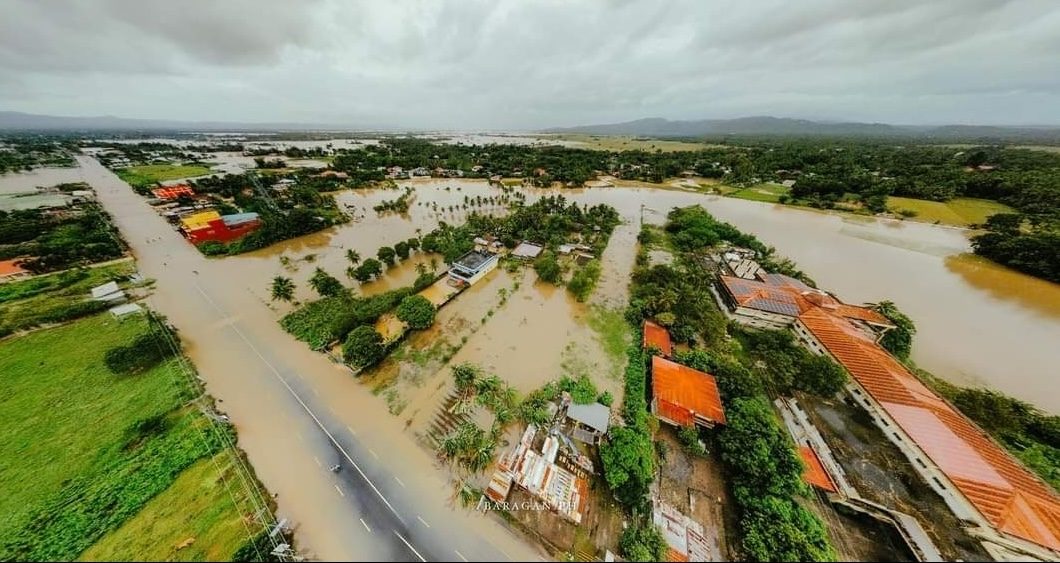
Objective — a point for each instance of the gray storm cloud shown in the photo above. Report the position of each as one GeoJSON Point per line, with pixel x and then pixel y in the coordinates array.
{"type": "Point", "coordinates": [532, 64]}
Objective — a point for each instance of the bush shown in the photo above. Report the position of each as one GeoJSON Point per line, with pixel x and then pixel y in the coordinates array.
{"type": "Point", "coordinates": [584, 280]}
{"type": "Point", "coordinates": [642, 541]}
{"type": "Point", "coordinates": [582, 390]}
{"type": "Point", "coordinates": [689, 438]}
{"type": "Point", "coordinates": [605, 399]}
{"type": "Point", "coordinates": [329, 319]}
{"type": "Point", "coordinates": [417, 311]}
{"type": "Point", "coordinates": [548, 269]}
{"type": "Point", "coordinates": [363, 347]}
{"type": "Point", "coordinates": [325, 284]}
{"type": "Point", "coordinates": [142, 354]}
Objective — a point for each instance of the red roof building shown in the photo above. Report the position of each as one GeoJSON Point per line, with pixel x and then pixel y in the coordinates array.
{"type": "Point", "coordinates": [12, 269]}
{"type": "Point", "coordinates": [979, 480]}
{"type": "Point", "coordinates": [683, 396]}
{"type": "Point", "coordinates": [225, 228]}
{"type": "Point", "coordinates": [173, 192]}
{"type": "Point", "coordinates": [815, 473]}
{"type": "Point", "coordinates": [657, 337]}
{"type": "Point", "coordinates": [776, 300]}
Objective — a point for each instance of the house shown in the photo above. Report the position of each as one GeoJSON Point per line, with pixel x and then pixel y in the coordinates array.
{"type": "Point", "coordinates": [683, 396]}
{"type": "Point", "coordinates": [527, 250]}
{"type": "Point", "coordinates": [655, 336]}
{"type": "Point", "coordinates": [589, 422]}
{"type": "Point", "coordinates": [540, 464]}
{"type": "Point", "coordinates": [173, 192]}
{"type": "Point", "coordinates": [11, 270]}
{"type": "Point", "coordinates": [419, 171]}
{"type": "Point", "coordinates": [472, 267]}
{"type": "Point", "coordinates": [219, 228]}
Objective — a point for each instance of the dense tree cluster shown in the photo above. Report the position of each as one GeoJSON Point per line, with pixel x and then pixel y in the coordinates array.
{"type": "Point", "coordinates": [56, 241]}
{"type": "Point", "coordinates": [789, 366]}
{"type": "Point", "coordinates": [898, 340]}
{"type": "Point", "coordinates": [1028, 243]}
{"type": "Point", "coordinates": [417, 311]}
{"type": "Point", "coordinates": [29, 152]}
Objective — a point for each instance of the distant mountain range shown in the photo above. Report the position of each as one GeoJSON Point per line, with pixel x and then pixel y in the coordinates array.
{"type": "Point", "coordinates": [779, 126]}
{"type": "Point", "coordinates": [651, 127]}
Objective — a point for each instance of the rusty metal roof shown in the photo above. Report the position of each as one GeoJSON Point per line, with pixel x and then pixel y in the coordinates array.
{"type": "Point", "coordinates": [1007, 494]}
{"type": "Point", "coordinates": [688, 389]}
{"type": "Point", "coordinates": [815, 473]}
{"type": "Point", "coordinates": [657, 336]}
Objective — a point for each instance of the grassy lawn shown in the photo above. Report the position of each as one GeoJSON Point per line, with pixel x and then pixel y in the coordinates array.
{"type": "Point", "coordinates": [55, 297]}
{"type": "Point", "coordinates": [196, 506]}
{"type": "Point", "coordinates": [613, 331]}
{"type": "Point", "coordinates": [961, 212]}
{"type": "Point", "coordinates": [82, 450]}
{"type": "Point", "coordinates": [149, 174]}
{"type": "Point", "coordinates": [762, 192]}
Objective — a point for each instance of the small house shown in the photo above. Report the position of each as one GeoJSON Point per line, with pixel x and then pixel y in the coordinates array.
{"type": "Point", "coordinates": [472, 267]}
{"type": "Point", "coordinates": [527, 250]}
{"type": "Point", "coordinates": [683, 396]}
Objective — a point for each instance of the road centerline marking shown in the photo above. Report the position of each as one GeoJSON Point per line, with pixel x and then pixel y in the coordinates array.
{"type": "Point", "coordinates": [339, 490]}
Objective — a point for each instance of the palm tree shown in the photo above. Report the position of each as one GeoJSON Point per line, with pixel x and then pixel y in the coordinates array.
{"type": "Point", "coordinates": [353, 256]}
{"type": "Point", "coordinates": [282, 288]}
{"type": "Point", "coordinates": [466, 376]}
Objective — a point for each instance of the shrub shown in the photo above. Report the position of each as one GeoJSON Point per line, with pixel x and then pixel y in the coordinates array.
{"type": "Point", "coordinates": [584, 280]}
{"type": "Point", "coordinates": [642, 541]}
{"type": "Point", "coordinates": [325, 284]}
{"type": "Point", "coordinates": [363, 347]}
{"type": "Point", "coordinates": [548, 269]}
{"type": "Point", "coordinates": [417, 311]}
{"type": "Point", "coordinates": [582, 390]}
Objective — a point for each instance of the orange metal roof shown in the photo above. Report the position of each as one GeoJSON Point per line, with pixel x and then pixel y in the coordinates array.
{"type": "Point", "coordinates": [11, 267]}
{"type": "Point", "coordinates": [173, 192]}
{"type": "Point", "coordinates": [1008, 495]}
{"type": "Point", "coordinates": [815, 473]}
{"type": "Point", "coordinates": [657, 336]}
{"type": "Point", "coordinates": [686, 389]}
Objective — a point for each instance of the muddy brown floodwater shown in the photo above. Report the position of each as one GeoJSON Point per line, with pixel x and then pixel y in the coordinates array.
{"type": "Point", "coordinates": [978, 323]}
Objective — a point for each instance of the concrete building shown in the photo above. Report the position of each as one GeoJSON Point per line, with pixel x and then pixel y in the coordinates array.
{"type": "Point", "coordinates": [1005, 505]}
{"type": "Point", "coordinates": [472, 267]}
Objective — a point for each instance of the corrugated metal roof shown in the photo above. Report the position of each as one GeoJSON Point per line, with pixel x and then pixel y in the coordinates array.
{"type": "Point", "coordinates": [657, 336]}
{"type": "Point", "coordinates": [1008, 495]}
{"type": "Point", "coordinates": [686, 389]}
{"type": "Point", "coordinates": [11, 267]}
{"type": "Point", "coordinates": [595, 416]}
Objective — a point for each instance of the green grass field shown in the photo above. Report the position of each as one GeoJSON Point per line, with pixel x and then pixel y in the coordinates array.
{"type": "Point", "coordinates": [55, 297]}
{"type": "Point", "coordinates": [762, 192]}
{"type": "Point", "coordinates": [148, 175]}
{"type": "Point", "coordinates": [961, 211]}
{"type": "Point", "coordinates": [84, 452]}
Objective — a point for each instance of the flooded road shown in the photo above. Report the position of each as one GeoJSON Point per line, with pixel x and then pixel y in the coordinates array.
{"type": "Point", "coordinates": [298, 414]}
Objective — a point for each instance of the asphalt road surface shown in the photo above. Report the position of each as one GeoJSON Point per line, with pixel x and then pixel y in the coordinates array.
{"type": "Point", "coordinates": [298, 414]}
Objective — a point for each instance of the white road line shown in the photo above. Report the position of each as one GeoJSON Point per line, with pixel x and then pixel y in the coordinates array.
{"type": "Point", "coordinates": [351, 430]}
{"type": "Point", "coordinates": [365, 524]}
{"type": "Point", "coordinates": [339, 490]}
{"type": "Point", "coordinates": [291, 390]}
{"type": "Point", "coordinates": [371, 451]}
{"type": "Point", "coordinates": [318, 461]}
{"type": "Point", "coordinates": [398, 480]}
{"type": "Point", "coordinates": [406, 542]}
{"type": "Point", "coordinates": [422, 521]}
{"type": "Point", "coordinates": [460, 555]}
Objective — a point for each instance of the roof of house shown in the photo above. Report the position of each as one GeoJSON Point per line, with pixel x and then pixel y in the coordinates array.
{"type": "Point", "coordinates": [814, 473]}
{"type": "Point", "coordinates": [657, 336]}
{"type": "Point", "coordinates": [1008, 495]}
{"type": "Point", "coordinates": [11, 267]}
{"type": "Point", "coordinates": [199, 220]}
{"type": "Point", "coordinates": [126, 309]}
{"type": "Point", "coordinates": [687, 388]}
{"type": "Point", "coordinates": [785, 295]}
{"type": "Point", "coordinates": [238, 218]}
{"type": "Point", "coordinates": [473, 260]}
{"type": "Point", "coordinates": [173, 192]}
{"type": "Point", "coordinates": [595, 415]}
{"type": "Point", "coordinates": [106, 289]}
{"type": "Point", "coordinates": [527, 250]}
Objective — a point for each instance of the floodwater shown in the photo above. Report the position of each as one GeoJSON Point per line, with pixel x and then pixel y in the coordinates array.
{"type": "Point", "coordinates": [978, 323]}
{"type": "Point", "coordinates": [20, 182]}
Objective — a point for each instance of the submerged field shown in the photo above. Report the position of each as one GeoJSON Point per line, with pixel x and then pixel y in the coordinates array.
{"type": "Point", "coordinates": [627, 143]}
{"type": "Point", "coordinates": [960, 212]}
{"type": "Point", "coordinates": [87, 456]}
{"type": "Point", "coordinates": [148, 175]}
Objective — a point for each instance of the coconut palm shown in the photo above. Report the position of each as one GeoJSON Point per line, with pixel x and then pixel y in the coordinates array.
{"type": "Point", "coordinates": [353, 256]}
{"type": "Point", "coordinates": [282, 288]}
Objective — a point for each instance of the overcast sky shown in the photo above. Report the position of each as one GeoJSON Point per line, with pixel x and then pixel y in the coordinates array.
{"type": "Point", "coordinates": [533, 64]}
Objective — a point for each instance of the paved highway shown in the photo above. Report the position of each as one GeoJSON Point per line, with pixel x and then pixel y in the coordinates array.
{"type": "Point", "coordinates": [298, 414]}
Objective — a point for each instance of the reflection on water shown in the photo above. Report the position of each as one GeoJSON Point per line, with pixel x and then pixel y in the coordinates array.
{"type": "Point", "coordinates": [1006, 284]}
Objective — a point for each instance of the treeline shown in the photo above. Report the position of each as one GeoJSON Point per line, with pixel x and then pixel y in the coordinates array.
{"type": "Point", "coordinates": [27, 153]}
{"type": "Point", "coordinates": [56, 241]}
{"type": "Point", "coordinates": [1028, 243]}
